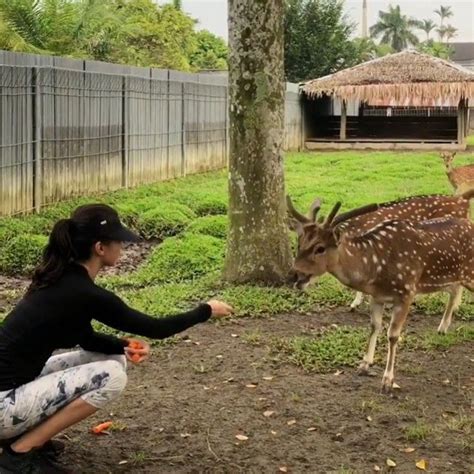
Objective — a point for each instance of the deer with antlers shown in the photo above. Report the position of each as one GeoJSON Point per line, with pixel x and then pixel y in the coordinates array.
{"type": "Point", "coordinates": [417, 209]}
{"type": "Point", "coordinates": [393, 261]}
{"type": "Point", "coordinates": [461, 177]}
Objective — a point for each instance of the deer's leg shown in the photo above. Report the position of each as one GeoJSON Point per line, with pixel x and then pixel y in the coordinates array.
{"type": "Point", "coordinates": [376, 315]}
{"type": "Point", "coordinates": [399, 316]}
{"type": "Point", "coordinates": [455, 296]}
{"type": "Point", "coordinates": [359, 297]}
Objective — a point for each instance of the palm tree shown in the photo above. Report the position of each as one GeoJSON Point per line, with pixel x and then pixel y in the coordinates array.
{"type": "Point", "coordinates": [443, 13]}
{"type": "Point", "coordinates": [396, 29]}
{"type": "Point", "coordinates": [450, 32]}
{"type": "Point", "coordinates": [427, 26]}
{"type": "Point", "coordinates": [55, 26]}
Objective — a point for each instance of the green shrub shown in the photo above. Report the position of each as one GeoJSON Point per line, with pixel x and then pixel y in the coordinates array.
{"type": "Point", "coordinates": [165, 220]}
{"type": "Point", "coordinates": [183, 258]}
{"type": "Point", "coordinates": [204, 203]}
{"type": "Point", "coordinates": [217, 226]}
{"type": "Point", "coordinates": [21, 254]}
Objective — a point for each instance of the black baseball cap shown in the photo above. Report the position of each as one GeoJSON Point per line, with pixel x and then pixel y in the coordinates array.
{"type": "Point", "coordinates": [103, 223]}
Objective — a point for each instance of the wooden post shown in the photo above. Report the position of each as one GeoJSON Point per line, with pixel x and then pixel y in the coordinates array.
{"type": "Point", "coordinates": [37, 141]}
{"type": "Point", "coordinates": [343, 131]}
{"type": "Point", "coordinates": [461, 122]}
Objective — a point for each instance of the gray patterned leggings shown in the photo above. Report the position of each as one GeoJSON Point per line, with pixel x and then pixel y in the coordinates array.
{"type": "Point", "coordinates": [95, 378]}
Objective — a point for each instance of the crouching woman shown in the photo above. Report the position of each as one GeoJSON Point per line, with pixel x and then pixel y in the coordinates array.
{"type": "Point", "coordinates": [42, 394]}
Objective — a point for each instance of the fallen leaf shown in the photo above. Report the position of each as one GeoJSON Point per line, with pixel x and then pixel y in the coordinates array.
{"type": "Point", "coordinates": [185, 435]}
{"type": "Point", "coordinates": [407, 450]}
{"type": "Point", "coordinates": [122, 462]}
{"type": "Point", "coordinates": [369, 418]}
{"type": "Point", "coordinates": [283, 469]}
{"type": "Point", "coordinates": [444, 415]}
{"type": "Point", "coordinates": [273, 432]}
{"type": "Point", "coordinates": [234, 335]}
{"type": "Point", "coordinates": [312, 428]}
{"type": "Point", "coordinates": [377, 468]}
{"type": "Point", "coordinates": [391, 463]}
{"type": "Point", "coordinates": [251, 385]}
{"type": "Point", "coordinates": [207, 388]}
{"type": "Point", "coordinates": [268, 413]}
{"type": "Point", "coordinates": [262, 399]}
{"type": "Point", "coordinates": [196, 343]}
{"type": "Point", "coordinates": [421, 464]}
{"type": "Point", "coordinates": [291, 422]}
{"type": "Point", "coordinates": [219, 356]}
{"type": "Point", "coordinates": [338, 372]}
{"type": "Point", "coordinates": [268, 378]}
{"type": "Point", "coordinates": [395, 385]}
{"type": "Point", "coordinates": [231, 379]}
{"type": "Point", "coordinates": [446, 381]}
{"type": "Point", "coordinates": [241, 437]}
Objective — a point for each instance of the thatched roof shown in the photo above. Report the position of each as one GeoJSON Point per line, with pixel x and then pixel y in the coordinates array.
{"type": "Point", "coordinates": [397, 77]}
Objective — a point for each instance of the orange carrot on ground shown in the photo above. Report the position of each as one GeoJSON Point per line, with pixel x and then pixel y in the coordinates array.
{"type": "Point", "coordinates": [101, 427]}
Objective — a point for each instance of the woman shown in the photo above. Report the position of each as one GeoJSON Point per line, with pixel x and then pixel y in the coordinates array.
{"type": "Point", "coordinates": [40, 394]}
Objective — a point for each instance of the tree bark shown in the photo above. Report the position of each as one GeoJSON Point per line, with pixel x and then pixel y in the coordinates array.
{"type": "Point", "coordinates": [258, 247]}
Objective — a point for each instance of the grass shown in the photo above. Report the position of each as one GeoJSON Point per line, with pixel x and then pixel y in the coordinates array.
{"type": "Point", "coordinates": [189, 214]}
{"type": "Point", "coordinates": [418, 431]}
{"type": "Point", "coordinates": [470, 140]}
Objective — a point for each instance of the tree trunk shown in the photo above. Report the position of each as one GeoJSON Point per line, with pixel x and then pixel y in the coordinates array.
{"type": "Point", "coordinates": [258, 247]}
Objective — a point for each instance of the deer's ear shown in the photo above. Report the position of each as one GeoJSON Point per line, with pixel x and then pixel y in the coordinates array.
{"type": "Point", "coordinates": [295, 225]}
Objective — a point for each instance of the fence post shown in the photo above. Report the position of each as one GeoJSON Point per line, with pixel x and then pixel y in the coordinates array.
{"type": "Point", "coordinates": [168, 101]}
{"type": "Point", "coordinates": [183, 131]}
{"type": "Point", "coordinates": [226, 125]}
{"type": "Point", "coordinates": [125, 138]}
{"type": "Point", "coordinates": [37, 140]}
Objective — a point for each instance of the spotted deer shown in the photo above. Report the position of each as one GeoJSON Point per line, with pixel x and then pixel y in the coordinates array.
{"type": "Point", "coordinates": [461, 177]}
{"type": "Point", "coordinates": [392, 261]}
{"type": "Point", "coordinates": [417, 209]}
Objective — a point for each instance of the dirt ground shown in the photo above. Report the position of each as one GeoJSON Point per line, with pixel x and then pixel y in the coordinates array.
{"type": "Point", "coordinates": [183, 409]}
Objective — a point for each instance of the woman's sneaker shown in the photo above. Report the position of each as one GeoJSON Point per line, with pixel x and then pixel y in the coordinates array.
{"type": "Point", "coordinates": [53, 448]}
{"type": "Point", "coordinates": [33, 462]}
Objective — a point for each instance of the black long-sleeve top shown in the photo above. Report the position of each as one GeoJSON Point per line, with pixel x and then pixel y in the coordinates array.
{"type": "Point", "coordinates": [59, 317]}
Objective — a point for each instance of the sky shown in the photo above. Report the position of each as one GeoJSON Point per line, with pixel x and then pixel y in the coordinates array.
{"type": "Point", "coordinates": [212, 14]}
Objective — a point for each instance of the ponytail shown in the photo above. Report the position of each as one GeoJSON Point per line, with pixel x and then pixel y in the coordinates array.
{"type": "Point", "coordinates": [56, 256]}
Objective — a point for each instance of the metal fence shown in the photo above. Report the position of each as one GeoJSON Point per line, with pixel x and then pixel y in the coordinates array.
{"type": "Point", "coordinates": [71, 127]}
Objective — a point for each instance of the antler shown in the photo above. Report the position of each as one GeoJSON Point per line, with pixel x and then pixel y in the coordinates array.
{"type": "Point", "coordinates": [354, 213]}
{"type": "Point", "coordinates": [332, 214]}
{"type": "Point", "coordinates": [294, 213]}
{"type": "Point", "coordinates": [314, 209]}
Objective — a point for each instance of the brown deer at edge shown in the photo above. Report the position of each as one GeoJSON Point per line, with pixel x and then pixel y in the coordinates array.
{"type": "Point", "coordinates": [461, 177]}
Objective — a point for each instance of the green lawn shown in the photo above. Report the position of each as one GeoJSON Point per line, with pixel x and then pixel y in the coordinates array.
{"type": "Point", "coordinates": [189, 214]}
{"type": "Point", "coordinates": [470, 140]}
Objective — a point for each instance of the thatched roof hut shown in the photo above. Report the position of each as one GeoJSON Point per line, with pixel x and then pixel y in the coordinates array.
{"type": "Point", "coordinates": [404, 97]}
{"type": "Point", "coordinates": [398, 77]}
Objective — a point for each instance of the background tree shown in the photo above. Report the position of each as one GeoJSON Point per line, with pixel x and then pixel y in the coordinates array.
{"type": "Point", "coordinates": [427, 26]}
{"type": "Point", "coordinates": [317, 39]}
{"type": "Point", "coordinates": [435, 48]}
{"type": "Point", "coordinates": [210, 53]}
{"type": "Point", "coordinates": [444, 12]}
{"type": "Point", "coordinates": [395, 29]}
{"type": "Point", "coordinates": [258, 247]}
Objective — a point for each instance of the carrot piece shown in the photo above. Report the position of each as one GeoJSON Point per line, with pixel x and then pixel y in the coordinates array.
{"type": "Point", "coordinates": [101, 427]}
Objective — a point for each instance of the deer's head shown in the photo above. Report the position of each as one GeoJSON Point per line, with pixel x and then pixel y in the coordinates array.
{"type": "Point", "coordinates": [317, 239]}
{"type": "Point", "coordinates": [448, 158]}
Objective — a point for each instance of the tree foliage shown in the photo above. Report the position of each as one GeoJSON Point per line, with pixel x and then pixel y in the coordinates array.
{"type": "Point", "coordinates": [395, 29]}
{"type": "Point", "coordinates": [137, 32]}
{"type": "Point", "coordinates": [317, 39]}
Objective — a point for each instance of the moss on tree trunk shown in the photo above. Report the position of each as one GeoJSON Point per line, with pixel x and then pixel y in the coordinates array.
{"type": "Point", "coordinates": [258, 242]}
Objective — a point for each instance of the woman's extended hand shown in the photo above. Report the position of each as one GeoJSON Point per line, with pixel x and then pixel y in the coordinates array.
{"type": "Point", "coordinates": [220, 309]}
{"type": "Point", "coordinates": [137, 350]}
